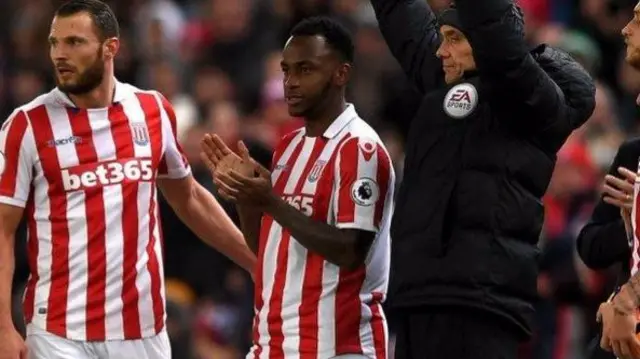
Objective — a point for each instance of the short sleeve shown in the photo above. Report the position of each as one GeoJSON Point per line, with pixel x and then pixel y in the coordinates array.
{"type": "Point", "coordinates": [173, 164]}
{"type": "Point", "coordinates": [363, 178]}
{"type": "Point", "coordinates": [16, 160]}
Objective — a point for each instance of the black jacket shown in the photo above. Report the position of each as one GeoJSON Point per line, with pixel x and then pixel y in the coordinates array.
{"type": "Point", "coordinates": [469, 214]}
{"type": "Point", "coordinates": [603, 241]}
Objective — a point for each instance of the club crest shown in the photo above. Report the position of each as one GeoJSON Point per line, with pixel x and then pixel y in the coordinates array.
{"type": "Point", "coordinates": [316, 171]}
{"type": "Point", "coordinates": [140, 134]}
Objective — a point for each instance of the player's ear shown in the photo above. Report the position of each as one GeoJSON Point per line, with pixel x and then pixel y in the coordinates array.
{"type": "Point", "coordinates": [111, 47]}
{"type": "Point", "coordinates": [342, 74]}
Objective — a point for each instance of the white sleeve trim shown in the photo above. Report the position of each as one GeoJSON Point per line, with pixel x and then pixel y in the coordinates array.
{"type": "Point", "coordinates": [13, 201]}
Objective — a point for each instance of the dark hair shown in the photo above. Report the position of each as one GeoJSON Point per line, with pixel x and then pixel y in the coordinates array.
{"type": "Point", "coordinates": [336, 35]}
{"type": "Point", "coordinates": [103, 17]}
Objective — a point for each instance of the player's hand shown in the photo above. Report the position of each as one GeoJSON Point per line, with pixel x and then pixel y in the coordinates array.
{"type": "Point", "coordinates": [246, 190]}
{"type": "Point", "coordinates": [618, 191]}
{"type": "Point", "coordinates": [12, 345]}
{"type": "Point", "coordinates": [619, 328]}
{"type": "Point", "coordinates": [219, 158]}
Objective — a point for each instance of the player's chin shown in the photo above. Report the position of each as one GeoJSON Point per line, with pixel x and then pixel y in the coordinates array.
{"type": "Point", "coordinates": [633, 58]}
{"type": "Point", "coordinates": [296, 110]}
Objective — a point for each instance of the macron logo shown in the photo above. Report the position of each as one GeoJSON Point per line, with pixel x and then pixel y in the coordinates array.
{"type": "Point", "coordinates": [107, 173]}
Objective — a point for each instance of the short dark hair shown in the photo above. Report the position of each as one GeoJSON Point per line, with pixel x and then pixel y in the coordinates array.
{"type": "Point", "coordinates": [103, 17]}
{"type": "Point", "coordinates": [336, 34]}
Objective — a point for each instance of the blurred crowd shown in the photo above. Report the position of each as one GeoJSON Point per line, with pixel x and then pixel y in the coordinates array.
{"type": "Point", "coordinates": [218, 63]}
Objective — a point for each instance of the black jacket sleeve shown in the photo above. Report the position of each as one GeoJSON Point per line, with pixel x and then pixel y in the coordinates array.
{"type": "Point", "coordinates": [516, 82]}
{"type": "Point", "coordinates": [411, 31]}
{"type": "Point", "coordinates": [603, 241]}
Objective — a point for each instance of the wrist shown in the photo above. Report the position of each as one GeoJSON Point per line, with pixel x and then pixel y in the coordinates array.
{"type": "Point", "coordinates": [625, 302]}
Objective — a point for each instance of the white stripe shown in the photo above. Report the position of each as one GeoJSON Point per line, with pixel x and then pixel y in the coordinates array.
{"type": "Point", "coordinates": [280, 167]}
{"type": "Point", "coordinates": [298, 167]}
{"type": "Point", "coordinates": [78, 231]}
{"type": "Point", "coordinates": [43, 229]}
{"type": "Point", "coordinates": [268, 278]}
{"type": "Point", "coordinates": [364, 216]}
{"type": "Point", "coordinates": [159, 250]}
{"type": "Point", "coordinates": [106, 151]}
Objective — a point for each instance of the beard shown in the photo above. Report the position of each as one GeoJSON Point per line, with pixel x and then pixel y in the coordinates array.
{"type": "Point", "coordinates": [87, 80]}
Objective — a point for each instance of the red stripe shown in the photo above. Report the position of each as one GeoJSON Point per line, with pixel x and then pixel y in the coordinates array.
{"type": "Point", "coordinates": [383, 177]}
{"type": "Point", "coordinates": [154, 125]}
{"type": "Point", "coordinates": [314, 265]}
{"type": "Point", "coordinates": [348, 310]}
{"type": "Point", "coordinates": [312, 281]}
{"type": "Point", "coordinates": [637, 230]}
{"type": "Point", "coordinates": [32, 258]}
{"type": "Point", "coordinates": [377, 326]}
{"type": "Point", "coordinates": [17, 129]}
{"type": "Point", "coordinates": [349, 162]}
{"type": "Point", "coordinates": [265, 228]}
{"type": "Point", "coordinates": [57, 302]}
{"type": "Point", "coordinates": [121, 133]}
{"type": "Point", "coordinates": [274, 317]}
{"type": "Point", "coordinates": [96, 231]}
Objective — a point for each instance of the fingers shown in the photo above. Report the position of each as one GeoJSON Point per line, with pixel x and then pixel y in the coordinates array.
{"type": "Point", "coordinates": [262, 171]}
{"type": "Point", "coordinates": [207, 161]}
{"type": "Point", "coordinates": [624, 198]}
{"type": "Point", "coordinates": [24, 353]}
{"type": "Point", "coordinates": [209, 149]}
{"type": "Point", "coordinates": [620, 204]}
{"type": "Point", "coordinates": [244, 151]}
{"type": "Point", "coordinates": [229, 179]}
{"type": "Point", "coordinates": [221, 147]}
{"type": "Point", "coordinates": [622, 185]}
{"type": "Point", "coordinates": [225, 190]}
{"type": "Point", "coordinates": [623, 349]}
{"type": "Point", "coordinates": [240, 179]}
{"type": "Point", "coordinates": [629, 175]}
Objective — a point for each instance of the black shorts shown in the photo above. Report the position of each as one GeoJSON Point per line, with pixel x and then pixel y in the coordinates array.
{"type": "Point", "coordinates": [453, 333]}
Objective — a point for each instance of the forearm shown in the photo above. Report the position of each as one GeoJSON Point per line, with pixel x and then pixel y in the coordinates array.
{"type": "Point", "coordinates": [250, 222]}
{"type": "Point", "coordinates": [207, 219]}
{"type": "Point", "coordinates": [410, 30]}
{"type": "Point", "coordinates": [602, 245]}
{"type": "Point", "coordinates": [495, 31]}
{"type": "Point", "coordinates": [7, 265]}
{"type": "Point", "coordinates": [318, 237]}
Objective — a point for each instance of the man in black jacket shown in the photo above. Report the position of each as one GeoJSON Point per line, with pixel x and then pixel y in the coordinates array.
{"type": "Point", "coordinates": [479, 156]}
{"type": "Point", "coordinates": [605, 240]}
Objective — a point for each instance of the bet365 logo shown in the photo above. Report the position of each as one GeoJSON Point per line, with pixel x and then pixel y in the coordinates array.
{"type": "Point", "coordinates": [107, 173]}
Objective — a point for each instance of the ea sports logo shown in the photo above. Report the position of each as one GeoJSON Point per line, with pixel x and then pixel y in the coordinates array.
{"type": "Point", "coordinates": [461, 100]}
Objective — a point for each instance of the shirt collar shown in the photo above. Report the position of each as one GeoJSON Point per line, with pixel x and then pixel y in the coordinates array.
{"type": "Point", "coordinates": [341, 121]}
{"type": "Point", "coordinates": [119, 95]}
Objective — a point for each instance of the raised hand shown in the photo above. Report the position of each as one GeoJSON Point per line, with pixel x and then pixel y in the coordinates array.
{"type": "Point", "coordinates": [246, 190]}
{"type": "Point", "coordinates": [219, 158]}
{"type": "Point", "coordinates": [618, 191]}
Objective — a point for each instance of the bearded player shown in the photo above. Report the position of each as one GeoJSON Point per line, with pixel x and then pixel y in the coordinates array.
{"type": "Point", "coordinates": [620, 316]}
{"type": "Point", "coordinates": [319, 220]}
{"type": "Point", "coordinates": [82, 164]}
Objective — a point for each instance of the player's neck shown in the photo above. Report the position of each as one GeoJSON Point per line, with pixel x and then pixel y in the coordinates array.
{"type": "Point", "coordinates": [100, 97]}
{"type": "Point", "coordinates": [316, 124]}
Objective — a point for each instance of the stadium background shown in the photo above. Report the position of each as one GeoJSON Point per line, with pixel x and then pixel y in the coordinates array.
{"type": "Point", "coordinates": [218, 62]}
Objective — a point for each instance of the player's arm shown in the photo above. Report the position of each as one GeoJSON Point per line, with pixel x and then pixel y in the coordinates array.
{"type": "Point", "coordinates": [193, 204]}
{"type": "Point", "coordinates": [202, 213]}
{"type": "Point", "coordinates": [516, 82]}
{"type": "Point", "coordinates": [10, 217]}
{"type": "Point", "coordinates": [357, 214]}
{"type": "Point", "coordinates": [250, 222]}
{"type": "Point", "coordinates": [411, 31]}
{"type": "Point", "coordinates": [603, 241]}
{"type": "Point", "coordinates": [16, 169]}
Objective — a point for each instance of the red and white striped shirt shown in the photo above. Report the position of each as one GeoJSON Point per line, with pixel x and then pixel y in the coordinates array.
{"type": "Point", "coordinates": [635, 225]}
{"type": "Point", "coordinates": [307, 307]}
{"type": "Point", "coordinates": [87, 181]}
